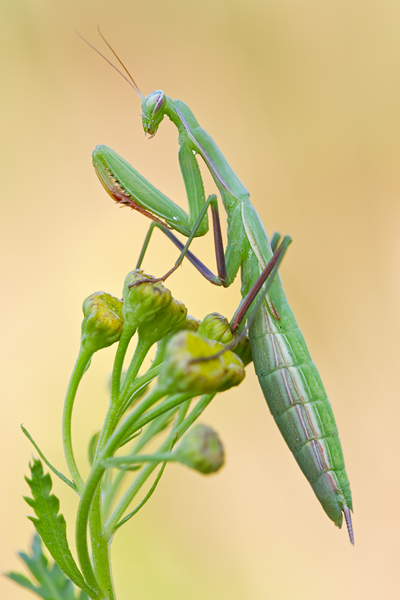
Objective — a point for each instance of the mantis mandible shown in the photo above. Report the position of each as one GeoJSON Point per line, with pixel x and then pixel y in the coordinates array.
{"type": "Point", "coordinates": [288, 376]}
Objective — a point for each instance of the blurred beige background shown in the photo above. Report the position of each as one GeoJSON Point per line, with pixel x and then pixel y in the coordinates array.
{"type": "Point", "coordinates": [303, 99]}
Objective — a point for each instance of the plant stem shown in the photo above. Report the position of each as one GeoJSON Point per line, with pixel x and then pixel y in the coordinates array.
{"type": "Point", "coordinates": [156, 427]}
{"type": "Point", "coordinates": [81, 364]}
{"type": "Point", "coordinates": [100, 545]}
{"type": "Point", "coordinates": [141, 351]}
{"type": "Point", "coordinates": [94, 482]}
{"type": "Point", "coordinates": [109, 421]}
{"type": "Point", "coordinates": [113, 522]}
{"type": "Point", "coordinates": [129, 459]}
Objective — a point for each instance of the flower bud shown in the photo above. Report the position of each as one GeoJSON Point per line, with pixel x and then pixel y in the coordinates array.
{"type": "Point", "coordinates": [216, 327]}
{"type": "Point", "coordinates": [201, 449]}
{"type": "Point", "coordinates": [103, 321]}
{"type": "Point", "coordinates": [164, 322]}
{"type": "Point", "coordinates": [142, 302]}
{"type": "Point", "coordinates": [191, 323]}
{"type": "Point", "coordinates": [181, 374]}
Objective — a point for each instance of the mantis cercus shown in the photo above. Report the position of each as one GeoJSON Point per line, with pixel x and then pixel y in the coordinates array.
{"type": "Point", "coordinates": [288, 377]}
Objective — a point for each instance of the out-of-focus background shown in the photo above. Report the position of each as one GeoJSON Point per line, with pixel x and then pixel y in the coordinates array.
{"type": "Point", "coordinates": [304, 100]}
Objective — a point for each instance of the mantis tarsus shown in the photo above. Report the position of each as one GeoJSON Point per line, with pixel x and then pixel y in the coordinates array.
{"type": "Point", "coordinates": [288, 377]}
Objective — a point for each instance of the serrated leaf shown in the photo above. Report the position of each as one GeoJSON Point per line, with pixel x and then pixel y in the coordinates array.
{"type": "Point", "coordinates": [36, 565]}
{"type": "Point", "coordinates": [23, 581]}
{"type": "Point", "coordinates": [49, 582]}
{"type": "Point", "coordinates": [50, 525]}
{"type": "Point", "coordinates": [37, 550]}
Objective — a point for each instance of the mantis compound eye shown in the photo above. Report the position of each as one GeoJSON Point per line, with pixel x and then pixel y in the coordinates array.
{"type": "Point", "coordinates": [154, 102]}
{"type": "Point", "coordinates": [153, 112]}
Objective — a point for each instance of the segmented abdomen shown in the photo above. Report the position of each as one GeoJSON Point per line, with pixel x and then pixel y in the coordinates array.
{"type": "Point", "coordinates": [298, 402]}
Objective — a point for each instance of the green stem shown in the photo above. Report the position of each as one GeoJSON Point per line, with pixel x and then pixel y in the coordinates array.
{"type": "Point", "coordinates": [154, 428]}
{"type": "Point", "coordinates": [141, 351]}
{"type": "Point", "coordinates": [146, 498]}
{"type": "Point", "coordinates": [109, 422]}
{"type": "Point", "coordinates": [100, 545]}
{"type": "Point", "coordinates": [126, 337]}
{"type": "Point", "coordinates": [129, 459]}
{"type": "Point", "coordinates": [127, 398]}
{"type": "Point", "coordinates": [94, 482]}
{"type": "Point", "coordinates": [182, 413]}
{"type": "Point", "coordinates": [81, 364]}
{"type": "Point", "coordinates": [113, 522]}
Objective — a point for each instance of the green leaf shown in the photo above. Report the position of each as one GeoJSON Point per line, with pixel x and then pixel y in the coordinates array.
{"type": "Point", "coordinates": [42, 456]}
{"type": "Point", "coordinates": [23, 581]}
{"type": "Point", "coordinates": [50, 525]}
{"type": "Point", "coordinates": [145, 499]}
{"type": "Point", "coordinates": [49, 582]}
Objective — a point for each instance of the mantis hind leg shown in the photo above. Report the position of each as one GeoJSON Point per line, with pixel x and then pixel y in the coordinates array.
{"type": "Point", "coordinates": [267, 277]}
{"type": "Point", "coordinates": [256, 293]}
{"type": "Point", "coordinates": [275, 241]}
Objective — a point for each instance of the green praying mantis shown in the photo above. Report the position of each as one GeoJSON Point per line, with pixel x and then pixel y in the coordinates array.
{"type": "Point", "coordinates": [288, 376]}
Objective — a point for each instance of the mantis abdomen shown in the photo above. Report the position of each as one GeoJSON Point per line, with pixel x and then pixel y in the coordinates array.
{"type": "Point", "coordinates": [292, 386]}
{"type": "Point", "coordinates": [297, 400]}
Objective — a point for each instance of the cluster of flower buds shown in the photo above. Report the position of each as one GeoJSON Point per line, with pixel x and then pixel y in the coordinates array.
{"type": "Point", "coordinates": [192, 360]}
{"type": "Point", "coordinates": [195, 359]}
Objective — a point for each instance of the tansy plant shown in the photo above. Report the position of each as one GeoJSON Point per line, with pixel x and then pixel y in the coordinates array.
{"type": "Point", "coordinates": [190, 363]}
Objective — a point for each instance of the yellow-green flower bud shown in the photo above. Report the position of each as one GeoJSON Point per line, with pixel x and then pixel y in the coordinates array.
{"type": "Point", "coordinates": [164, 322]}
{"type": "Point", "coordinates": [181, 374]}
{"type": "Point", "coordinates": [103, 321]}
{"type": "Point", "coordinates": [142, 302]}
{"type": "Point", "coordinates": [201, 449]}
{"type": "Point", "coordinates": [191, 323]}
{"type": "Point", "coordinates": [216, 327]}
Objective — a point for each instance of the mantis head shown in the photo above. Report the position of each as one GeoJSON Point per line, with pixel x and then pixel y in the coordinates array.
{"type": "Point", "coordinates": [153, 110]}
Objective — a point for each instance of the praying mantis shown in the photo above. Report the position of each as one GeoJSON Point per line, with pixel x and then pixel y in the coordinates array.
{"type": "Point", "coordinates": [287, 375]}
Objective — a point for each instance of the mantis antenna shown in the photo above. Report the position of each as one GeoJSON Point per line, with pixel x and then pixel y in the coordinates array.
{"type": "Point", "coordinates": [132, 82]}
